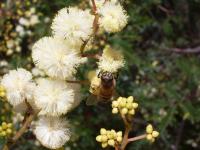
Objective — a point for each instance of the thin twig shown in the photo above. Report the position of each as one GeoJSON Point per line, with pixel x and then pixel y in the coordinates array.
{"type": "Point", "coordinates": [85, 82]}
{"type": "Point", "coordinates": [137, 138]}
{"type": "Point", "coordinates": [95, 26]}
{"type": "Point", "coordinates": [186, 50]}
{"type": "Point", "coordinates": [26, 124]}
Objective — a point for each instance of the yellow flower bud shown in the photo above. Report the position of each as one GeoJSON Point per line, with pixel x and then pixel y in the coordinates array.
{"type": "Point", "coordinates": [99, 138]}
{"type": "Point", "coordinates": [9, 125]}
{"type": "Point", "coordinates": [111, 142]}
{"type": "Point", "coordinates": [110, 135]}
{"type": "Point", "coordinates": [8, 131]}
{"type": "Point", "coordinates": [122, 104]}
{"type": "Point", "coordinates": [2, 94]}
{"type": "Point", "coordinates": [4, 125]}
{"type": "Point", "coordinates": [130, 99]}
{"type": "Point", "coordinates": [1, 129]}
{"type": "Point", "coordinates": [131, 112]}
{"type": "Point", "coordinates": [3, 133]}
{"type": "Point", "coordinates": [104, 138]}
{"type": "Point", "coordinates": [152, 140]}
{"type": "Point", "coordinates": [129, 105]}
{"type": "Point", "coordinates": [103, 131]}
{"type": "Point", "coordinates": [114, 110]}
{"type": "Point", "coordinates": [149, 137]}
{"type": "Point", "coordinates": [104, 145]}
{"type": "Point", "coordinates": [124, 111]}
{"type": "Point", "coordinates": [135, 105]}
{"type": "Point", "coordinates": [119, 133]}
{"type": "Point", "coordinates": [155, 134]}
{"type": "Point", "coordinates": [115, 104]}
{"type": "Point", "coordinates": [149, 129]}
{"type": "Point", "coordinates": [119, 99]}
{"type": "Point", "coordinates": [119, 139]}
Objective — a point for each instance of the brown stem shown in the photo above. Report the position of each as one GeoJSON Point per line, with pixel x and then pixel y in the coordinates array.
{"type": "Point", "coordinates": [95, 26]}
{"type": "Point", "coordinates": [26, 124]}
{"type": "Point", "coordinates": [137, 138]}
{"type": "Point", "coordinates": [85, 82]}
{"type": "Point", "coordinates": [186, 50]}
{"type": "Point", "coordinates": [126, 133]}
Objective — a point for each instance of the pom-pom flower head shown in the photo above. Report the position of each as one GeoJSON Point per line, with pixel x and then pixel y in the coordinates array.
{"type": "Point", "coordinates": [73, 24]}
{"type": "Point", "coordinates": [52, 132]}
{"type": "Point", "coordinates": [53, 97]}
{"type": "Point", "coordinates": [111, 60]}
{"type": "Point", "coordinates": [54, 57]}
{"type": "Point", "coordinates": [18, 85]}
{"type": "Point", "coordinates": [113, 17]}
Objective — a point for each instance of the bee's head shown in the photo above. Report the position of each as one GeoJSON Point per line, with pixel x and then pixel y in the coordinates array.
{"type": "Point", "coordinates": [106, 78]}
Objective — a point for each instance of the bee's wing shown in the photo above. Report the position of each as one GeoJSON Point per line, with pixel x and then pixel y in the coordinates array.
{"type": "Point", "coordinates": [92, 100]}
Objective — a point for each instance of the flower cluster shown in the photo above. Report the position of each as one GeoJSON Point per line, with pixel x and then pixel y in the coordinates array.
{"type": "Point", "coordinates": [5, 129]}
{"type": "Point", "coordinates": [124, 105]}
{"type": "Point", "coordinates": [109, 137]}
{"type": "Point", "coordinates": [151, 134]}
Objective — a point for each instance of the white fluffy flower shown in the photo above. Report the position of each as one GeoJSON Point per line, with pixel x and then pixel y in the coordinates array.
{"type": "Point", "coordinates": [19, 86]}
{"type": "Point", "coordinates": [73, 24]}
{"type": "Point", "coordinates": [52, 132]}
{"type": "Point", "coordinates": [55, 57]}
{"type": "Point", "coordinates": [111, 60]}
{"type": "Point", "coordinates": [53, 97]}
{"type": "Point", "coordinates": [113, 17]}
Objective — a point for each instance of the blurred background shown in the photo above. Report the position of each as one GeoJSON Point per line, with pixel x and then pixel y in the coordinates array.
{"type": "Point", "coordinates": [161, 45]}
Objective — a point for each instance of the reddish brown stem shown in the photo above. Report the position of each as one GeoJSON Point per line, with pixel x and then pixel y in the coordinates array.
{"type": "Point", "coordinates": [137, 138]}
{"type": "Point", "coordinates": [85, 82]}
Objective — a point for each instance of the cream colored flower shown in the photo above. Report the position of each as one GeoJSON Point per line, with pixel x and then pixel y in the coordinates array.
{"type": "Point", "coordinates": [113, 17]}
{"type": "Point", "coordinates": [52, 132]}
{"type": "Point", "coordinates": [111, 60]}
{"type": "Point", "coordinates": [53, 97]}
{"type": "Point", "coordinates": [19, 86]}
{"type": "Point", "coordinates": [73, 24]}
{"type": "Point", "coordinates": [55, 57]}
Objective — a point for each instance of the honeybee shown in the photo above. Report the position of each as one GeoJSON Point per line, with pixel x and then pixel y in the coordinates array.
{"type": "Point", "coordinates": [102, 87]}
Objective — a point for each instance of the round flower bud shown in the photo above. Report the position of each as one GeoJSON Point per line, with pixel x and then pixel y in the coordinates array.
{"type": "Point", "coordinates": [149, 137]}
{"type": "Point", "coordinates": [111, 142]}
{"type": "Point", "coordinates": [99, 138]}
{"type": "Point", "coordinates": [129, 105]}
{"type": "Point", "coordinates": [124, 111]}
{"type": "Point", "coordinates": [4, 125]}
{"type": "Point", "coordinates": [8, 131]}
{"type": "Point", "coordinates": [155, 134]}
{"type": "Point", "coordinates": [119, 133]}
{"type": "Point", "coordinates": [149, 129]}
{"type": "Point", "coordinates": [103, 131]}
{"type": "Point", "coordinates": [104, 138]}
{"type": "Point", "coordinates": [115, 104]}
{"type": "Point", "coordinates": [119, 139]}
{"type": "Point", "coordinates": [114, 110]}
{"type": "Point", "coordinates": [3, 133]}
{"type": "Point", "coordinates": [119, 99]}
{"type": "Point", "coordinates": [110, 135]}
{"type": "Point", "coordinates": [131, 112]}
{"type": "Point", "coordinates": [104, 145]}
{"type": "Point", "coordinates": [130, 99]}
{"type": "Point", "coordinates": [9, 125]}
{"type": "Point", "coordinates": [1, 129]}
{"type": "Point", "coordinates": [135, 105]}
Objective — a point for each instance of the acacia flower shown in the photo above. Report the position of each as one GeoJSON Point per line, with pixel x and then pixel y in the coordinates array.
{"type": "Point", "coordinates": [53, 97]}
{"type": "Point", "coordinates": [113, 17]}
{"type": "Point", "coordinates": [111, 60]}
{"type": "Point", "coordinates": [73, 24]}
{"type": "Point", "coordinates": [55, 57]}
{"type": "Point", "coordinates": [52, 132]}
{"type": "Point", "coordinates": [18, 85]}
